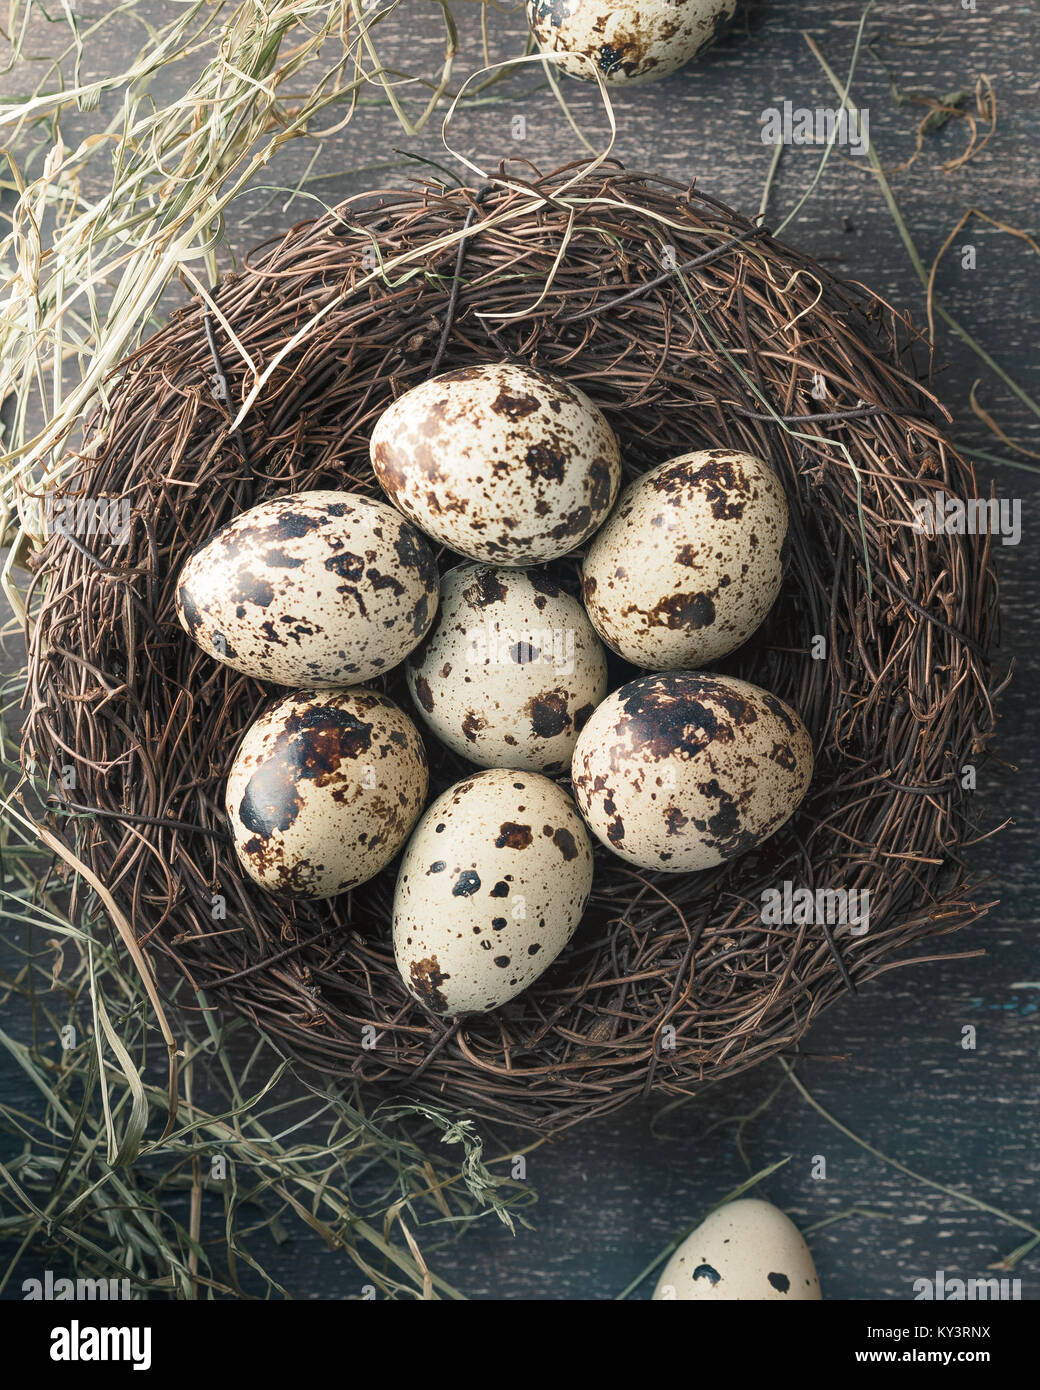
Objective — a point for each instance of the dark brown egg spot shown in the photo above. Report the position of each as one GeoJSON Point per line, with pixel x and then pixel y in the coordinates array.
{"type": "Point", "coordinates": [427, 978]}
{"type": "Point", "coordinates": [423, 693]}
{"type": "Point", "coordinates": [775, 706]}
{"type": "Point", "coordinates": [278, 558]}
{"type": "Point", "coordinates": [783, 755]}
{"type": "Point", "coordinates": [472, 724]}
{"type": "Point", "coordinates": [292, 525]}
{"type": "Point", "coordinates": [346, 566]}
{"type": "Point", "coordinates": [544, 463]}
{"type": "Point", "coordinates": [549, 714]}
{"type": "Point", "coordinates": [414, 554]}
{"type": "Point", "coordinates": [485, 589]}
{"type": "Point", "coordinates": [514, 405]}
{"type": "Point", "coordinates": [684, 611]}
{"type": "Point", "coordinates": [599, 485]}
{"type": "Point", "coordinates": [246, 587]}
{"type": "Point", "coordinates": [311, 747]}
{"type": "Point", "coordinates": [513, 836]}
{"type": "Point", "coordinates": [384, 581]}
{"type": "Point", "coordinates": [543, 584]}
{"type": "Point", "coordinates": [575, 523]}
{"type": "Point", "coordinates": [565, 843]}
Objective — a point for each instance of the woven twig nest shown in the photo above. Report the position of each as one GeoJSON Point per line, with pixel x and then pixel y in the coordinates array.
{"type": "Point", "coordinates": [691, 328]}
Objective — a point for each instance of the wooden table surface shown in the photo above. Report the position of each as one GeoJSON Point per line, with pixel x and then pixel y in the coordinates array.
{"type": "Point", "coordinates": [889, 1064]}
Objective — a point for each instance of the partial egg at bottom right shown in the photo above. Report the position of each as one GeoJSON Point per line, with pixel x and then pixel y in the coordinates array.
{"type": "Point", "coordinates": [745, 1250]}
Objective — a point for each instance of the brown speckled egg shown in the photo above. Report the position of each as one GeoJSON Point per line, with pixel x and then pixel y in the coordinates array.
{"type": "Point", "coordinates": [687, 769]}
{"type": "Point", "coordinates": [499, 462]}
{"type": "Point", "coordinates": [312, 589]}
{"type": "Point", "coordinates": [511, 669]}
{"type": "Point", "coordinates": [324, 790]}
{"type": "Point", "coordinates": [688, 563]}
{"type": "Point", "coordinates": [490, 890]}
{"type": "Point", "coordinates": [626, 40]}
{"type": "Point", "coordinates": [746, 1250]}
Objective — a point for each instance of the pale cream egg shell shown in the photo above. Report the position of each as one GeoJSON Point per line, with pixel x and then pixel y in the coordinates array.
{"type": "Point", "coordinates": [510, 671]}
{"type": "Point", "coordinates": [746, 1250]}
{"type": "Point", "coordinates": [627, 41]}
{"type": "Point", "coordinates": [499, 462]}
{"type": "Point", "coordinates": [324, 790]}
{"type": "Point", "coordinates": [490, 890]}
{"type": "Point", "coordinates": [687, 769]}
{"type": "Point", "coordinates": [689, 562]}
{"type": "Point", "coordinates": [317, 589]}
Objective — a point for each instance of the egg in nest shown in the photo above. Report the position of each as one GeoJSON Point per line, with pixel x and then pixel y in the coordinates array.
{"type": "Point", "coordinates": [689, 562]}
{"type": "Point", "coordinates": [685, 770]}
{"type": "Point", "coordinates": [511, 669]}
{"type": "Point", "coordinates": [324, 791]}
{"type": "Point", "coordinates": [490, 889]}
{"type": "Point", "coordinates": [626, 40]}
{"type": "Point", "coordinates": [315, 589]}
{"type": "Point", "coordinates": [499, 462]}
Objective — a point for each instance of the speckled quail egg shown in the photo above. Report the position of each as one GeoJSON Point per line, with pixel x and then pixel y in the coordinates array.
{"type": "Point", "coordinates": [314, 589]}
{"type": "Point", "coordinates": [490, 890]}
{"type": "Point", "coordinates": [688, 563]}
{"type": "Point", "coordinates": [626, 40]}
{"type": "Point", "coordinates": [511, 669]}
{"type": "Point", "coordinates": [324, 790]}
{"type": "Point", "coordinates": [684, 770]}
{"type": "Point", "coordinates": [745, 1250]}
{"type": "Point", "coordinates": [499, 462]}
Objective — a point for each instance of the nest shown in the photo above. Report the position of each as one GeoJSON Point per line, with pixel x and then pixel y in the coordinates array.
{"type": "Point", "coordinates": [691, 327]}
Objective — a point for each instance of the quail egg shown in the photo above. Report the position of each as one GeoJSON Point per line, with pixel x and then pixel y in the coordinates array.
{"type": "Point", "coordinates": [684, 770]}
{"type": "Point", "coordinates": [626, 40]}
{"type": "Point", "coordinates": [499, 462]}
{"type": "Point", "coordinates": [312, 589]}
{"type": "Point", "coordinates": [744, 1250]}
{"type": "Point", "coordinates": [324, 790]}
{"type": "Point", "coordinates": [688, 564]}
{"type": "Point", "coordinates": [511, 669]}
{"type": "Point", "coordinates": [490, 889]}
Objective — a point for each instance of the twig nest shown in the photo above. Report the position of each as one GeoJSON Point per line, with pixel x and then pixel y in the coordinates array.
{"type": "Point", "coordinates": [324, 791]}
{"type": "Point", "coordinates": [499, 462]}
{"type": "Point", "coordinates": [510, 671]}
{"type": "Point", "coordinates": [492, 885]}
{"type": "Point", "coordinates": [685, 770]}
{"type": "Point", "coordinates": [626, 40]}
{"type": "Point", "coordinates": [150, 724]}
{"type": "Point", "coordinates": [688, 564]}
